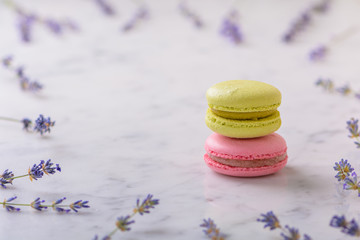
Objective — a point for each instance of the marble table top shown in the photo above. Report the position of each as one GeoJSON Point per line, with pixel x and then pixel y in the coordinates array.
{"type": "Point", "coordinates": [130, 107]}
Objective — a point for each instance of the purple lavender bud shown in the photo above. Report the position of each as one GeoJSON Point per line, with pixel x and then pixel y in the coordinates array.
{"type": "Point", "coordinates": [318, 53]}
{"type": "Point", "coordinates": [7, 61]}
{"type": "Point", "coordinates": [141, 14]}
{"type": "Point", "coordinates": [191, 15]}
{"type": "Point", "coordinates": [25, 26]}
{"type": "Point", "coordinates": [105, 7]}
{"type": "Point", "coordinates": [54, 26]}
{"type": "Point", "coordinates": [230, 29]}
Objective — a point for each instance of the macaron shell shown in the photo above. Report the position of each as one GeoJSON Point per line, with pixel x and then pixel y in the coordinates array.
{"type": "Point", "coordinates": [266, 147]}
{"type": "Point", "coordinates": [243, 172]}
{"type": "Point", "coordinates": [243, 96]}
{"type": "Point", "coordinates": [243, 128]}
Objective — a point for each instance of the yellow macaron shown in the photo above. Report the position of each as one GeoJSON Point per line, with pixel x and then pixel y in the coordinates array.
{"type": "Point", "coordinates": [243, 108]}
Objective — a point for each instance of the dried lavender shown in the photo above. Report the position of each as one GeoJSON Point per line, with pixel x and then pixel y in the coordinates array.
{"type": "Point", "coordinates": [123, 223]}
{"type": "Point", "coordinates": [105, 7]}
{"type": "Point", "coordinates": [303, 20]}
{"type": "Point", "coordinates": [39, 205]}
{"type": "Point", "coordinates": [25, 83]}
{"type": "Point", "coordinates": [353, 127]}
{"type": "Point", "coordinates": [42, 124]}
{"type": "Point", "coordinates": [329, 86]}
{"type": "Point", "coordinates": [27, 20]}
{"type": "Point", "coordinates": [346, 175]}
{"type": "Point", "coordinates": [34, 173]}
{"type": "Point", "coordinates": [349, 228]}
{"type": "Point", "coordinates": [188, 13]}
{"type": "Point", "coordinates": [320, 52]}
{"type": "Point", "coordinates": [230, 28]}
{"type": "Point", "coordinates": [211, 230]}
{"type": "Point", "coordinates": [288, 233]}
{"type": "Point", "coordinates": [141, 14]}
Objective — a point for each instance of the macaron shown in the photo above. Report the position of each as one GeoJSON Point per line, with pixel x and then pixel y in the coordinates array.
{"type": "Point", "coordinates": [243, 108]}
{"type": "Point", "coordinates": [246, 157]}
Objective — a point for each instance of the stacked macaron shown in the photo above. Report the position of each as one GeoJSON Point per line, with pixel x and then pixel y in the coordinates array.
{"type": "Point", "coordinates": [244, 116]}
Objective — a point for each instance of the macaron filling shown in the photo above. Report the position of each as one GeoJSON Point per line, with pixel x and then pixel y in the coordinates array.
{"type": "Point", "coordinates": [243, 115]}
{"type": "Point", "coordinates": [248, 163]}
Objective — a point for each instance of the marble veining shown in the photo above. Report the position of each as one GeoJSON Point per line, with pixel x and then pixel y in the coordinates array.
{"type": "Point", "coordinates": [130, 109]}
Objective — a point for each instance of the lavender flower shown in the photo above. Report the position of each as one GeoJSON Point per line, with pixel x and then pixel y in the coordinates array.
{"type": "Point", "coordinates": [123, 223]}
{"type": "Point", "coordinates": [105, 7]}
{"type": "Point", "coordinates": [288, 233]}
{"type": "Point", "coordinates": [230, 28]}
{"type": "Point", "coordinates": [344, 169]}
{"type": "Point", "coordinates": [326, 84]}
{"type": "Point", "coordinates": [351, 183]}
{"type": "Point", "coordinates": [39, 205]}
{"type": "Point", "coordinates": [27, 123]}
{"type": "Point", "coordinates": [27, 20]}
{"type": "Point", "coordinates": [211, 231]}
{"type": "Point", "coordinates": [270, 220]}
{"type": "Point", "coordinates": [57, 207]}
{"type": "Point", "coordinates": [8, 207]}
{"type": "Point", "coordinates": [304, 20]}
{"type": "Point", "coordinates": [353, 127]}
{"type": "Point", "coordinates": [78, 205]}
{"type": "Point", "coordinates": [318, 53]}
{"type": "Point", "coordinates": [35, 172]}
{"type": "Point", "coordinates": [42, 124]}
{"type": "Point", "coordinates": [145, 206]}
{"type": "Point", "coordinates": [6, 178]}
{"type": "Point", "coordinates": [186, 11]}
{"type": "Point", "coordinates": [48, 168]}
{"type": "Point", "coordinates": [25, 23]}
{"type": "Point", "coordinates": [24, 80]}
{"type": "Point", "coordinates": [350, 228]}
{"type": "Point", "coordinates": [345, 90]}
{"type": "Point", "coordinates": [141, 14]}
{"type": "Point", "coordinates": [7, 61]}
{"type": "Point", "coordinates": [297, 26]}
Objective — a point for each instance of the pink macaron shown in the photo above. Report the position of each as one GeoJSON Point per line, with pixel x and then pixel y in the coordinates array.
{"type": "Point", "coordinates": [246, 157]}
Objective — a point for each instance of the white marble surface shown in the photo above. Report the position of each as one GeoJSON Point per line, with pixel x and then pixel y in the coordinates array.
{"type": "Point", "coordinates": [129, 111]}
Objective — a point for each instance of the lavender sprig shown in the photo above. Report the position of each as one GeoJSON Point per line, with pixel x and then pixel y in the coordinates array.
{"type": "Point", "coordinates": [346, 175]}
{"type": "Point", "coordinates": [230, 28]}
{"type": "Point", "coordinates": [105, 7]}
{"type": "Point", "coordinates": [211, 231]}
{"type": "Point", "coordinates": [123, 223]}
{"type": "Point", "coordinates": [353, 127]}
{"type": "Point", "coordinates": [343, 169]}
{"type": "Point", "coordinates": [288, 233]}
{"type": "Point", "coordinates": [34, 173]}
{"type": "Point", "coordinates": [39, 205]}
{"type": "Point", "coordinates": [42, 124]}
{"type": "Point", "coordinates": [303, 20]}
{"type": "Point", "coordinates": [27, 20]}
{"type": "Point", "coordinates": [329, 86]}
{"type": "Point", "coordinates": [141, 14]}
{"type": "Point", "coordinates": [188, 13]}
{"type": "Point", "coordinates": [25, 83]}
{"type": "Point", "coordinates": [318, 53]}
{"type": "Point", "coordinates": [350, 228]}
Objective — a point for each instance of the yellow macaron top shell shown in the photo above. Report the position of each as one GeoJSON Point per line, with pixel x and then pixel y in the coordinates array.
{"type": "Point", "coordinates": [243, 96]}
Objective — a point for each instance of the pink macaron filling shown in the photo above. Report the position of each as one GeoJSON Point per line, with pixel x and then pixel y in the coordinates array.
{"type": "Point", "coordinates": [248, 163]}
